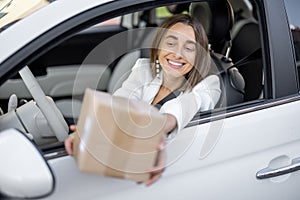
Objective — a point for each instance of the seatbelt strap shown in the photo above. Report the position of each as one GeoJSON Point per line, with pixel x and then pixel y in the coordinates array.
{"type": "Point", "coordinates": [253, 56]}
{"type": "Point", "coordinates": [172, 95]}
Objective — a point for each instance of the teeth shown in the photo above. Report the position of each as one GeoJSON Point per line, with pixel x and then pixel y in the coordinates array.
{"type": "Point", "coordinates": [175, 63]}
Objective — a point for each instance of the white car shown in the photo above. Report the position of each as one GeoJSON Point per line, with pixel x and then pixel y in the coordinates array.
{"type": "Point", "coordinates": [246, 148]}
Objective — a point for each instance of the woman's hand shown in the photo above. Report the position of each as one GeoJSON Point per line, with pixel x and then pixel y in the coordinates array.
{"type": "Point", "coordinates": [159, 168]}
{"type": "Point", "coordinates": [69, 141]}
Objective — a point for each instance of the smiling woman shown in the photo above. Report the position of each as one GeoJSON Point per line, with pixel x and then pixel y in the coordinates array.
{"type": "Point", "coordinates": [179, 64]}
{"type": "Point", "coordinates": [175, 79]}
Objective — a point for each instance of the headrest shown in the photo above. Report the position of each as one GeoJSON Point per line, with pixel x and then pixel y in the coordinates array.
{"type": "Point", "coordinates": [217, 19]}
{"type": "Point", "coordinates": [242, 9]}
{"type": "Point", "coordinates": [178, 8]}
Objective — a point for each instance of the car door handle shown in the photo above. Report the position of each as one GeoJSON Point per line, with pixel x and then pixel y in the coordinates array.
{"type": "Point", "coordinates": [269, 172]}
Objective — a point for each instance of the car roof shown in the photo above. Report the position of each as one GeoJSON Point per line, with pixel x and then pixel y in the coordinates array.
{"type": "Point", "coordinates": [31, 27]}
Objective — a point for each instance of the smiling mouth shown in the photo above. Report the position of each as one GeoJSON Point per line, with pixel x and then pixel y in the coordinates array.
{"type": "Point", "coordinates": [175, 65]}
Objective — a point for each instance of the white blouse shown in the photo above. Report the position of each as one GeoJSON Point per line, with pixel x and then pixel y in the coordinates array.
{"type": "Point", "coordinates": [141, 85]}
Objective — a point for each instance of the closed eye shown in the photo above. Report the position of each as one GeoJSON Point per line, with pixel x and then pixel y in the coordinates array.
{"type": "Point", "coordinates": [170, 44]}
{"type": "Point", "coordinates": [190, 47]}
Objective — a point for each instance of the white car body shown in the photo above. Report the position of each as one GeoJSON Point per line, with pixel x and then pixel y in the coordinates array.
{"type": "Point", "coordinates": [217, 157]}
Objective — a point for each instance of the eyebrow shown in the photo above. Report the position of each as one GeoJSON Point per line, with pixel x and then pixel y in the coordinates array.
{"type": "Point", "coordinates": [176, 38]}
{"type": "Point", "coordinates": [172, 36]}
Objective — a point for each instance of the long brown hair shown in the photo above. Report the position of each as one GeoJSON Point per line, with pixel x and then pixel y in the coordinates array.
{"type": "Point", "coordinates": [202, 61]}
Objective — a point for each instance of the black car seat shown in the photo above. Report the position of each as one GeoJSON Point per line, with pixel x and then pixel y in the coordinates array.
{"type": "Point", "coordinates": [217, 19]}
{"type": "Point", "coordinates": [246, 41]}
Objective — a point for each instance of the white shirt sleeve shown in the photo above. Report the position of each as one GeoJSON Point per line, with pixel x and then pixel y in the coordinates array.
{"type": "Point", "coordinates": [132, 87]}
{"type": "Point", "coordinates": [204, 96]}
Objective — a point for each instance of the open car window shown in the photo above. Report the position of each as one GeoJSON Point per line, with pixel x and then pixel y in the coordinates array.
{"type": "Point", "coordinates": [101, 56]}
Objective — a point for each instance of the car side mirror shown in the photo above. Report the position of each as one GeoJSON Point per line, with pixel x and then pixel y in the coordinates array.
{"type": "Point", "coordinates": [24, 172]}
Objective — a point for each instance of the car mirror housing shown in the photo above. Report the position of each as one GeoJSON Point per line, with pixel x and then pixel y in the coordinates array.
{"type": "Point", "coordinates": [24, 172]}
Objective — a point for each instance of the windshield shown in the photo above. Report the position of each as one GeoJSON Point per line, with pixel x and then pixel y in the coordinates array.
{"type": "Point", "coordinates": [14, 10]}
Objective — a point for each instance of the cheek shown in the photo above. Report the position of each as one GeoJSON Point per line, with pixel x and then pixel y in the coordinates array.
{"type": "Point", "coordinates": [162, 54]}
{"type": "Point", "coordinates": [187, 69]}
{"type": "Point", "coordinates": [191, 58]}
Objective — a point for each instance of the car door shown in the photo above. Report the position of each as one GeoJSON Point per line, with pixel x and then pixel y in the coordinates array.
{"type": "Point", "coordinates": [221, 154]}
{"type": "Point", "coordinates": [250, 155]}
{"type": "Point", "coordinates": [248, 151]}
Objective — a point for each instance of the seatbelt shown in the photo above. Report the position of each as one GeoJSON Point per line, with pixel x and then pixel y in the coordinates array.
{"type": "Point", "coordinates": [253, 56]}
{"type": "Point", "coordinates": [172, 95]}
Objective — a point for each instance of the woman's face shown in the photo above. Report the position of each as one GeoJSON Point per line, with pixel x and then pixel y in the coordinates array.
{"type": "Point", "coordinates": [177, 50]}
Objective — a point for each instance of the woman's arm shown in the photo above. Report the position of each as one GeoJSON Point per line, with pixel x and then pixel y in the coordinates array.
{"type": "Point", "coordinates": [204, 96]}
{"type": "Point", "coordinates": [132, 86]}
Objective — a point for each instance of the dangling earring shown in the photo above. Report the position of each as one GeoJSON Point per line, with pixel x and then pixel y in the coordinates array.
{"type": "Point", "coordinates": [157, 68]}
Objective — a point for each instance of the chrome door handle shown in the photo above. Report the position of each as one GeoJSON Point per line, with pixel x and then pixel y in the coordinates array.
{"type": "Point", "coordinates": [269, 172]}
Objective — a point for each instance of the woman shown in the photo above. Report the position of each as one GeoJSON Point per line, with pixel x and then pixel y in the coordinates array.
{"type": "Point", "coordinates": [176, 78]}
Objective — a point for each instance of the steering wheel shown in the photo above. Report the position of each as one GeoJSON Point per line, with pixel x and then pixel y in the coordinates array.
{"type": "Point", "coordinates": [47, 106]}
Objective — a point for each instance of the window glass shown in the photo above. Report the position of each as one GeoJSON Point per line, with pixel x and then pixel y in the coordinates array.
{"type": "Point", "coordinates": [294, 21]}
{"type": "Point", "coordinates": [162, 12]}
{"type": "Point", "coordinates": [292, 9]}
{"type": "Point", "coordinates": [167, 11]}
{"type": "Point", "coordinates": [113, 21]}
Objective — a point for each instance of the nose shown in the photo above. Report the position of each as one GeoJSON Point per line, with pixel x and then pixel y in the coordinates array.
{"type": "Point", "coordinates": [178, 53]}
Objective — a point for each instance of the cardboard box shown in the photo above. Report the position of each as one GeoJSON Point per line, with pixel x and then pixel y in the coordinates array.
{"type": "Point", "coordinates": [117, 137]}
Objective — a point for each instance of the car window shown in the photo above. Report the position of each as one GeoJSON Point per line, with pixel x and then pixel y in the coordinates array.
{"type": "Point", "coordinates": [294, 21]}
{"type": "Point", "coordinates": [113, 21]}
{"type": "Point", "coordinates": [93, 58]}
{"type": "Point", "coordinates": [293, 12]}
{"type": "Point", "coordinates": [164, 12]}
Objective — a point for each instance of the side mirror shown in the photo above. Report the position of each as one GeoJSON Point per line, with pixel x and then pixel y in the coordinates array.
{"type": "Point", "coordinates": [24, 172]}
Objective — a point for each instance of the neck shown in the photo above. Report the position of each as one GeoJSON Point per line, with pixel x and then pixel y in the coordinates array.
{"type": "Point", "coordinates": [173, 83]}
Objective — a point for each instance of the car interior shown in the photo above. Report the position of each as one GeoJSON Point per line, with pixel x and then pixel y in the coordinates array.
{"type": "Point", "coordinates": [65, 71]}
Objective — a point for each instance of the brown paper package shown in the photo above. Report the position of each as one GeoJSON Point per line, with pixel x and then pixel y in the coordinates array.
{"type": "Point", "coordinates": [117, 137]}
